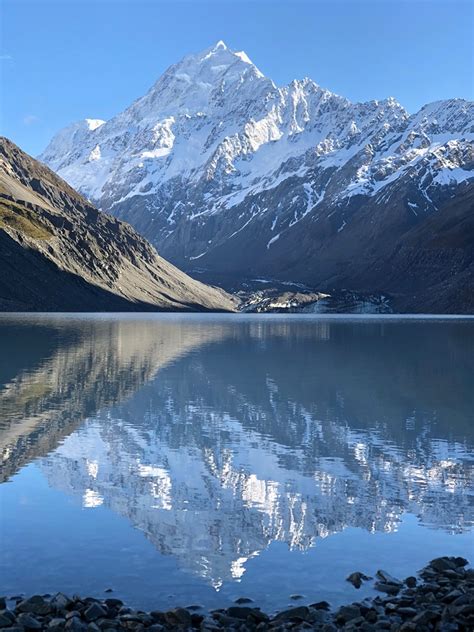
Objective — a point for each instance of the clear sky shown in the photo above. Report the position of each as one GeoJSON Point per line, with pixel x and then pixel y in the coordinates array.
{"type": "Point", "coordinates": [65, 60]}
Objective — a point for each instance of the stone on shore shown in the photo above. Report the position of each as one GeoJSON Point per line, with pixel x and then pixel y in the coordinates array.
{"type": "Point", "coordinates": [441, 601]}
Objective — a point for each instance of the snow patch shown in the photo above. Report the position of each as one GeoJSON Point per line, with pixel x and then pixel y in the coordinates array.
{"type": "Point", "coordinates": [273, 240]}
{"type": "Point", "coordinates": [95, 154]}
{"type": "Point", "coordinates": [94, 124]}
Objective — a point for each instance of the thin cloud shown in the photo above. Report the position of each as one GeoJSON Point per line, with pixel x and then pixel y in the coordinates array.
{"type": "Point", "coordinates": [30, 119]}
{"type": "Point", "coordinates": [6, 58]}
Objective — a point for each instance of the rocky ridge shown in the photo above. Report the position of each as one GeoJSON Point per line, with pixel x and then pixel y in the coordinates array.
{"type": "Point", "coordinates": [59, 253]}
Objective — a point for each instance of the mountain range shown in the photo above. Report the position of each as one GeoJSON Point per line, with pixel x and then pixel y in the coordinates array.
{"type": "Point", "coordinates": [59, 253]}
{"type": "Point", "coordinates": [235, 179]}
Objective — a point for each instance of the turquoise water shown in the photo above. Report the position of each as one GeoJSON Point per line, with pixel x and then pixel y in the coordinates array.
{"type": "Point", "coordinates": [196, 459]}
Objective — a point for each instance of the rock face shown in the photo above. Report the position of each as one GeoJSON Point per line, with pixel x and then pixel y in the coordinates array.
{"type": "Point", "coordinates": [59, 253]}
{"type": "Point", "coordinates": [231, 175]}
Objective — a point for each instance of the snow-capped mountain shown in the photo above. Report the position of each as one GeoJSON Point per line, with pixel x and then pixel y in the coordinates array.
{"type": "Point", "coordinates": [225, 171]}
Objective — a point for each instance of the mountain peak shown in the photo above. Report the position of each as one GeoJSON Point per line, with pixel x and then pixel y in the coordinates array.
{"type": "Point", "coordinates": [220, 57]}
{"type": "Point", "coordinates": [220, 44]}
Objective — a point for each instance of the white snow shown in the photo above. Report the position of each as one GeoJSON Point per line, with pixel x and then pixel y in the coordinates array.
{"type": "Point", "coordinates": [273, 240]}
{"type": "Point", "coordinates": [156, 153]}
{"type": "Point", "coordinates": [93, 124]}
{"type": "Point", "coordinates": [214, 123]}
{"type": "Point", "coordinates": [95, 154]}
{"type": "Point", "coordinates": [199, 256]}
{"type": "Point", "coordinates": [456, 175]}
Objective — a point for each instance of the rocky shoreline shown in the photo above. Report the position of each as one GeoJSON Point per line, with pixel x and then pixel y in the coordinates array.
{"type": "Point", "coordinates": [441, 599]}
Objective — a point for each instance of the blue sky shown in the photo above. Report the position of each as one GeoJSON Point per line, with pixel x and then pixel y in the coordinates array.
{"type": "Point", "coordinates": [64, 60]}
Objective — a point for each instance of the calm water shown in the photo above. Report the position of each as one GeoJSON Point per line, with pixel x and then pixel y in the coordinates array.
{"type": "Point", "coordinates": [196, 459]}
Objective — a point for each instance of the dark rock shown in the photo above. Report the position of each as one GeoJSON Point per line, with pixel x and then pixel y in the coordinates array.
{"type": "Point", "coordinates": [3, 603]}
{"type": "Point", "coordinates": [239, 612]}
{"type": "Point", "coordinates": [94, 611]}
{"type": "Point", "coordinates": [407, 611]}
{"type": "Point", "coordinates": [5, 621]}
{"type": "Point", "coordinates": [390, 589]}
{"type": "Point", "coordinates": [210, 626]}
{"type": "Point", "coordinates": [74, 624]}
{"type": "Point", "coordinates": [462, 600]}
{"type": "Point", "coordinates": [347, 613]}
{"type": "Point", "coordinates": [299, 613]}
{"type": "Point", "coordinates": [158, 616]}
{"type": "Point", "coordinates": [448, 626]}
{"type": "Point", "coordinates": [108, 590]}
{"type": "Point", "coordinates": [242, 600]}
{"type": "Point", "coordinates": [107, 624]}
{"type": "Point", "coordinates": [386, 578]}
{"type": "Point", "coordinates": [452, 596]}
{"type": "Point", "coordinates": [9, 615]}
{"type": "Point", "coordinates": [320, 605]}
{"type": "Point", "coordinates": [57, 624]}
{"type": "Point", "coordinates": [243, 612]}
{"type": "Point", "coordinates": [441, 564]}
{"type": "Point", "coordinates": [319, 616]}
{"type": "Point", "coordinates": [371, 616]}
{"type": "Point", "coordinates": [296, 597]}
{"type": "Point", "coordinates": [466, 610]}
{"type": "Point", "coordinates": [193, 607]}
{"type": "Point", "coordinates": [136, 626]}
{"type": "Point", "coordinates": [196, 619]}
{"type": "Point", "coordinates": [460, 561]}
{"type": "Point", "coordinates": [429, 598]}
{"type": "Point", "coordinates": [73, 613]}
{"type": "Point", "coordinates": [132, 616]}
{"type": "Point", "coordinates": [357, 578]}
{"type": "Point", "coordinates": [356, 622]}
{"type": "Point", "coordinates": [28, 622]}
{"type": "Point", "coordinates": [110, 602]}
{"type": "Point", "coordinates": [424, 617]}
{"type": "Point", "coordinates": [178, 616]}
{"type": "Point", "coordinates": [34, 605]}
{"type": "Point", "coordinates": [60, 602]}
{"type": "Point", "coordinates": [227, 621]}
{"type": "Point", "coordinates": [410, 581]}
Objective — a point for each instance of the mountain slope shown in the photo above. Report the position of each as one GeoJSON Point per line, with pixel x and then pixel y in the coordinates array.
{"type": "Point", "coordinates": [231, 176]}
{"type": "Point", "coordinates": [58, 252]}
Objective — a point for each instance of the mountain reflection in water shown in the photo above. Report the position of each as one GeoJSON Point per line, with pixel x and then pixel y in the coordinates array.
{"type": "Point", "coordinates": [216, 436]}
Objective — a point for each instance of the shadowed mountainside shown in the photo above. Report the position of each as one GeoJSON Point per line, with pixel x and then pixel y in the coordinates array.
{"type": "Point", "coordinates": [59, 253]}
